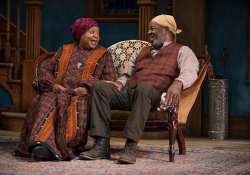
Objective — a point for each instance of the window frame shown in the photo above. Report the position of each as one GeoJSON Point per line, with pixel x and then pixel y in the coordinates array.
{"type": "Point", "coordinates": [93, 9]}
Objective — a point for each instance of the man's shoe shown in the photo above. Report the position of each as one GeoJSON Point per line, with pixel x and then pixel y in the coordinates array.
{"type": "Point", "coordinates": [41, 153]}
{"type": "Point", "coordinates": [100, 150]}
{"type": "Point", "coordinates": [129, 153]}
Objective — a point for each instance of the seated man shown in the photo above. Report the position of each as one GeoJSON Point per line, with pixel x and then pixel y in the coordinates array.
{"type": "Point", "coordinates": [163, 67]}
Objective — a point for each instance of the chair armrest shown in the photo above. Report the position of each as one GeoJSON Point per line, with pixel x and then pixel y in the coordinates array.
{"type": "Point", "coordinates": [35, 86]}
{"type": "Point", "coordinates": [173, 114]}
{"type": "Point", "coordinates": [201, 73]}
{"type": "Point", "coordinates": [41, 62]}
{"type": "Point", "coordinates": [188, 96]}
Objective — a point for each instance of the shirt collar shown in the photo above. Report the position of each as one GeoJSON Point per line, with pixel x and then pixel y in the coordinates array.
{"type": "Point", "coordinates": [165, 44]}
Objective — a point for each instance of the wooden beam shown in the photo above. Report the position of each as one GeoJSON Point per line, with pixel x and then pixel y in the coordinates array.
{"type": "Point", "coordinates": [16, 60]}
{"type": "Point", "coordinates": [190, 16]}
{"type": "Point", "coordinates": [169, 7]}
{"type": "Point", "coordinates": [33, 27]}
{"type": "Point", "coordinates": [7, 44]}
{"type": "Point", "coordinates": [146, 14]}
{"type": "Point", "coordinates": [248, 77]}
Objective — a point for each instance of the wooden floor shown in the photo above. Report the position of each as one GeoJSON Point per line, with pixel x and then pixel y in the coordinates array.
{"type": "Point", "coordinates": [199, 142]}
{"type": "Point", "coordinates": [194, 142]}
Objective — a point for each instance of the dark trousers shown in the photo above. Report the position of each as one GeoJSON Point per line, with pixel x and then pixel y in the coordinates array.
{"type": "Point", "coordinates": [140, 101]}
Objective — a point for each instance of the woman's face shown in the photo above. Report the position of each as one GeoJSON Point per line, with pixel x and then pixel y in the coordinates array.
{"type": "Point", "coordinates": [89, 39]}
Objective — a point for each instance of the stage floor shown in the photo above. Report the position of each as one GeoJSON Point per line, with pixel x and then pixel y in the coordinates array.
{"type": "Point", "coordinates": [194, 142]}
{"type": "Point", "coordinates": [199, 142]}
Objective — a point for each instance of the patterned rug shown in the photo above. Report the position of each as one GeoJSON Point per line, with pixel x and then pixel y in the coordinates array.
{"type": "Point", "coordinates": [151, 160]}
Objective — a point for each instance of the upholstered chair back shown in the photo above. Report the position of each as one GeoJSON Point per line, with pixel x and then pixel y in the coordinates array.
{"type": "Point", "coordinates": [122, 51]}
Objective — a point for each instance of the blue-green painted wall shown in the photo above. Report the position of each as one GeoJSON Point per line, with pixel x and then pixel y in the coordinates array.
{"type": "Point", "coordinates": [5, 98]}
{"type": "Point", "coordinates": [228, 26]}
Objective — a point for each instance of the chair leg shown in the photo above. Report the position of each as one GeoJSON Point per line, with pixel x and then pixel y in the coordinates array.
{"type": "Point", "coordinates": [172, 135]}
{"type": "Point", "coordinates": [181, 142]}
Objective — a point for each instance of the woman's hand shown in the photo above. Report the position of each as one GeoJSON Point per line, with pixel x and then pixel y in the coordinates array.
{"type": "Point", "coordinates": [58, 89]}
{"type": "Point", "coordinates": [79, 91]}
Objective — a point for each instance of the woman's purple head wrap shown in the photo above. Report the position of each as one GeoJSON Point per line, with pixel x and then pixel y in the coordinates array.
{"type": "Point", "coordinates": [81, 26]}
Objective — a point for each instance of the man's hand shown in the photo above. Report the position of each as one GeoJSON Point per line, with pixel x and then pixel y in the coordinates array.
{"type": "Point", "coordinates": [79, 91]}
{"type": "Point", "coordinates": [116, 83]}
{"type": "Point", "coordinates": [173, 94]}
{"type": "Point", "coordinates": [58, 89]}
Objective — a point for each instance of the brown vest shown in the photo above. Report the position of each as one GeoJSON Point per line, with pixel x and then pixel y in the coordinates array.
{"type": "Point", "coordinates": [158, 71]}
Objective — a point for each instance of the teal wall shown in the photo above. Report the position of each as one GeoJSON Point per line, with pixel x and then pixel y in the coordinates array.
{"type": "Point", "coordinates": [5, 98]}
{"type": "Point", "coordinates": [227, 26]}
{"type": "Point", "coordinates": [58, 16]}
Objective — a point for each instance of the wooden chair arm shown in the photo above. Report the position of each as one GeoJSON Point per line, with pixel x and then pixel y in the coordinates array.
{"type": "Point", "coordinates": [188, 96]}
{"type": "Point", "coordinates": [173, 114]}
{"type": "Point", "coordinates": [210, 71]}
{"type": "Point", "coordinates": [37, 66]}
{"type": "Point", "coordinates": [39, 62]}
{"type": "Point", "coordinates": [202, 71]}
{"type": "Point", "coordinates": [35, 86]}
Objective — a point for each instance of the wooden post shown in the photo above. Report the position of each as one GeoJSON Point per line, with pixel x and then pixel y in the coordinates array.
{"type": "Point", "coordinates": [0, 44]}
{"type": "Point", "coordinates": [190, 17]}
{"type": "Point", "coordinates": [146, 13]}
{"type": "Point", "coordinates": [169, 7]}
{"type": "Point", "coordinates": [7, 44]}
{"type": "Point", "coordinates": [248, 77]}
{"type": "Point", "coordinates": [33, 25]}
{"type": "Point", "coordinates": [17, 53]}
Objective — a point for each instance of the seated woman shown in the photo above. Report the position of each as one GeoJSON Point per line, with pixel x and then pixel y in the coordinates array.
{"type": "Point", "coordinates": [56, 121]}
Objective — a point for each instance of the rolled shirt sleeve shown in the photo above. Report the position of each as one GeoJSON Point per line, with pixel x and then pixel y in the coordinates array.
{"type": "Point", "coordinates": [188, 65]}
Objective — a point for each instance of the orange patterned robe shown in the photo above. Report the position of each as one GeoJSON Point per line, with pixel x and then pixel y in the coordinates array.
{"type": "Point", "coordinates": [59, 121]}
